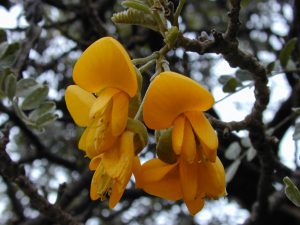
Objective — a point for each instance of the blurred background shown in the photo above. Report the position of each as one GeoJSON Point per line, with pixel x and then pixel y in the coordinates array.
{"type": "Point", "coordinates": [46, 37]}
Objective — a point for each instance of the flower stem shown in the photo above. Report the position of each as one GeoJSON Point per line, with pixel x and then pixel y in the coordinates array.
{"type": "Point", "coordinates": [147, 65]}
{"type": "Point", "coordinates": [178, 11]}
{"type": "Point", "coordinates": [140, 61]}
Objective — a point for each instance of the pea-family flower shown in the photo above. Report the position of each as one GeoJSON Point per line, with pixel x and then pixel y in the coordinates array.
{"type": "Point", "coordinates": [177, 102]}
{"type": "Point", "coordinates": [113, 169]}
{"type": "Point", "coordinates": [105, 83]}
{"type": "Point", "coordinates": [192, 182]}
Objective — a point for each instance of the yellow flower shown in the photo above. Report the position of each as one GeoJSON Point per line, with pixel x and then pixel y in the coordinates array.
{"type": "Point", "coordinates": [106, 82]}
{"type": "Point", "coordinates": [192, 182]}
{"type": "Point", "coordinates": [113, 170]}
{"type": "Point", "coordinates": [176, 101]}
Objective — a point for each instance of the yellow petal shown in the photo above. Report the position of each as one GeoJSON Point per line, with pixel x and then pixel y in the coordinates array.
{"type": "Point", "coordinates": [79, 103]}
{"type": "Point", "coordinates": [171, 94]}
{"type": "Point", "coordinates": [154, 170]}
{"type": "Point", "coordinates": [103, 64]}
{"type": "Point", "coordinates": [94, 184]}
{"type": "Point", "coordinates": [94, 163]}
{"type": "Point", "coordinates": [115, 196]}
{"type": "Point", "coordinates": [189, 149]}
{"type": "Point", "coordinates": [178, 134]}
{"type": "Point", "coordinates": [168, 187]}
{"type": "Point", "coordinates": [82, 145]}
{"type": "Point", "coordinates": [203, 129]}
{"type": "Point", "coordinates": [118, 161]}
{"type": "Point", "coordinates": [137, 171]}
{"type": "Point", "coordinates": [119, 113]}
{"type": "Point", "coordinates": [195, 206]}
{"type": "Point", "coordinates": [102, 101]}
{"type": "Point", "coordinates": [210, 154]}
{"type": "Point", "coordinates": [211, 179]}
{"type": "Point", "coordinates": [188, 179]}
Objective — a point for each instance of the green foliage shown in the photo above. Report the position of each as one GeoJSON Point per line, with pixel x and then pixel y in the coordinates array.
{"type": "Point", "coordinates": [8, 54]}
{"type": "Point", "coordinates": [291, 191]}
{"type": "Point", "coordinates": [135, 17]}
{"type": "Point", "coordinates": [35, 98]}
{"type": "Point", "coordinates": [286, 52]}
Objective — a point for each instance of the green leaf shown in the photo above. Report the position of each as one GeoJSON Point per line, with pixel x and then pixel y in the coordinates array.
{"type": "Point", "coordinates": [8, 54]}
{"type": "Point", "coordinates": [243, 75]}
{"type": "Point", "coordinates": [251, 153]}
{"type": "Point", "coordinates": [164, 148]}
{"type": "Point", "coordinates": [44, 108]}
{"type": "Point", "coordinates": [35, 98]}
{"type": "Point", "coordinates": [223, 79]}
{"type": "Point", "coordinates": [26, 86]}
{"type": "Point", "coordinates": [232, 169]}
{"type": "Point", "coordinates": [296, 135]}
{"type": "Point", "coordinates": [270, 67]}
{"type": "Point", "coordinates": [291, 191]}
{"type": "Point", "coordinates": [286, 52]}
{"type": "Point", "coordinates": [231, 85]}
{"type": "Point", "coordinates": [233, 151]}
{"type": "Point", "coordinates": [10, 86]}
{"type": "Point", "coordinates": [134, 4]}
{"type": "Point", "coordinates": [46, 119]}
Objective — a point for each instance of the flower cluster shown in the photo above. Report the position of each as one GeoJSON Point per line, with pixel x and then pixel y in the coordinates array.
{"type": "Point", "coordinates": [105, 99]}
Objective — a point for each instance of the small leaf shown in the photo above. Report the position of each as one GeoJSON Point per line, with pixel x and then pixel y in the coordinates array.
{"type": "Point", "coordinates": [10, 86]}
{"type": "Point", "coordinates": [134, 4]}
{"type": "Point", "coordinates": [251, 153]}
{"type": "Point", "coordinates": [287, 51]}
{"type": "Point", "coordinates": [3, 76]}
{"type": "Point", "coordinates": [8, 54]}
{"type": "Point", "coordinates": [270, 67]}
{"type": "Point", "coordinates": [164, 148]}
{"type": "Point", "coordinates": [232, 169]}
{"type": "Point", "coordinates": [26, 86]}
{"type": "Point", "coordinates": [44, 108]}
{"type": "Point", "coordinates": [231, 85]}
{"type": "Point", "coordinates": [35, 98]}
{"type": "Point", "coordinates": [46, 119]}
{"type": "Point", "coordinates": [296, 135]}
{"type": "Point", "coordinates": [243, 75]}
{"type": "Point", "coordinates": [223, 79]}
{"type": "Point", "coordinates": [291, 191]}
{"type": "Point", "coordinates": [233, 151]}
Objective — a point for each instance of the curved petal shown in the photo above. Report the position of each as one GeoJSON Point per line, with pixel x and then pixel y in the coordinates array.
{"type": "Point", "coordinates": [82, 145]}
{"type": "Point", "coordinates": [115, 196]}
{"type": "Point", "coordinates": [171, 94]}
{"type": "Point", "coordinates": [118, 161]}
{"type": "Point", "coordinates": [178, 134]}
{"type": "Point", "coordinates": [195, 206]}
{"type": "Point", "coordinates": [94, 163]}
{"type": "Point", "coordinates": [211, 179]}
{"type": "Point", "coordinates": [168, 188]}
{"type": "Point", "coordinates": [189, 149]}
{"type": "Point", "coordinates": [94, 184]}
{"type": "Point", "coordinates": [155, 170]}
{"type": "Point", "coordinates": [209, 154]}
{"type": "Point", "coordinates": [203, 129]}
{"type": "Point", "coordinates": [137, 171]}
{"type": "Point", "coordinates": [188, 180]}
{"type": "Point", "coordinates": [79, 103]}
{"type": "Point", "coordinates": [119, 114]}
{"type": "Point", "coordinates": [102, 101]}
{"type": "Point", "coordinates": [105, 63]}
